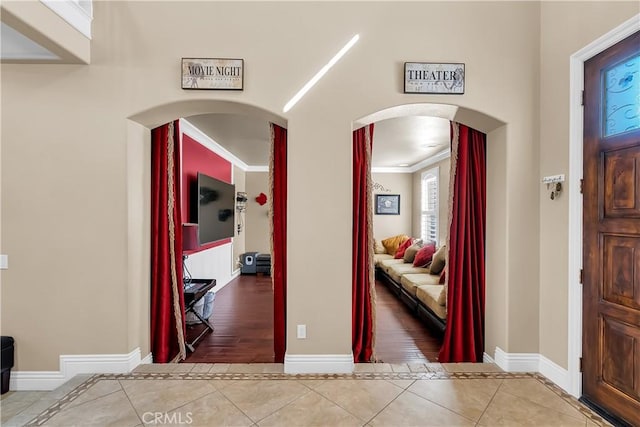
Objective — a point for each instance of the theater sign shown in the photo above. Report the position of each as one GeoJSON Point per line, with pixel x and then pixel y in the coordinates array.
{"type": "Point", "coordinates": [428, 77]}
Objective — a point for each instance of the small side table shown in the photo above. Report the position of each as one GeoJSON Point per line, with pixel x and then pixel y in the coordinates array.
{"type": "Point", "coordinates": [194, 292]}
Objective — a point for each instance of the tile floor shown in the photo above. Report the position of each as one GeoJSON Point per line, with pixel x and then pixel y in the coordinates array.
{"type": "Point", "coordinates": [430, 394]}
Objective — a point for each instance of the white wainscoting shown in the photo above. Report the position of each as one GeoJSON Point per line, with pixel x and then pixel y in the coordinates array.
{"type": "Point", "coordinates": [72, 365]}
{"type": "Point", "coordinates": [214, 263]}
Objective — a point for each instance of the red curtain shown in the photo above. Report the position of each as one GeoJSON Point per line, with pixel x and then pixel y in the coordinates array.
{"type": "Point", "coordinates": [167, 296]}
{"type": "Point", "coordinates": [464, 334]}
{"type": "Point", "coordinates": [362, 280]}
{"type": "Point", "coordinates": [278, 171]}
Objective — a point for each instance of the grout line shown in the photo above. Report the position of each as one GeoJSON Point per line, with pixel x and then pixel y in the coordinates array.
{"type": "Point", "coordinates": [237, 407]}
{"type": "Point", "coordinates": [385, 406]}
{"type": "Point", "coordinates": [130, 403]}
{"type": "Point", "coordinates": [442, 406]}
{"type": "Point", "coordinates": [490, 401]}
{"type": "Point", "coordinates": [270, 413]}
{"type": "Point", "coordinates": [341, 407]}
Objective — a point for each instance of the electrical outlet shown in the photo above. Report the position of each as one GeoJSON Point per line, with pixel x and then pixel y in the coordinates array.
{"type": "Point", "coordinates": [4, 262]}
{"type": "Point", "coordinates": [302, 331]}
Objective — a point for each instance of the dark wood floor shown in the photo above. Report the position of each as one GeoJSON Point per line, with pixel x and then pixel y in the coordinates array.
{"type": "Point", "coordinates": [243, 321]}
{"type": "Point", "coordinates": [400, 336]}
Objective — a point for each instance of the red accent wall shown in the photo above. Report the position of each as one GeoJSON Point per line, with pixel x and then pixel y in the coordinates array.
{"type": "Point", "coordinates": [198, 158]}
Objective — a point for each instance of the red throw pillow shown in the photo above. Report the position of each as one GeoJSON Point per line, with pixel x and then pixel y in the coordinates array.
{"type": "Point", "coordinates": [443, 277]}
{"type": "Point", "coordinates": [402, 248]}
{"type": "Point", "coordinates": [424, 255]}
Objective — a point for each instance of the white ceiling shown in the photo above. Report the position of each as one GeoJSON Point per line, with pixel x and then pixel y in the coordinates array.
{"type": "Point", "coordinates": [16, 47]}
{"type": "Point", "coordinates": [397, 142]}
{"type": "Point", "coordinates": [405, 141]}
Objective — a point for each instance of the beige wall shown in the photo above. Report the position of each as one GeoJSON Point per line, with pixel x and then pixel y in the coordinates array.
{"type": "Point", "coordinates": [443, 199]}
{"type": "Point", "coordinates": [562, 18]}
{"type": "Point", "coordinates": [67, 160]}
{"type": "Point", "coordinates": [139, 231]}
{"type": "Point", "coordinates": [239, 241]}
{"type": "Point", "coordinates": [257, 221]}
{"type": "Point", "coordinates": [390, 225]}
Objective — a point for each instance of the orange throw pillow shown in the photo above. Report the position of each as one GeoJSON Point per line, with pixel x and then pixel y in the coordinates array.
{"type": "Point", "coordinates": [391, 244]}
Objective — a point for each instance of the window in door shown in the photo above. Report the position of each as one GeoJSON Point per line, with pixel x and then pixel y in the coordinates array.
{"type": "Point", "coordinates": [429, 199]}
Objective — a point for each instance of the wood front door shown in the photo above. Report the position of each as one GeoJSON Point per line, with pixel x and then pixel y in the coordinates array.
{"type": "Point", "coordinates": [611, 231]}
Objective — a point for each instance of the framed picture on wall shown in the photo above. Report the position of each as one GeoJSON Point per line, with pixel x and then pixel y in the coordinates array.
{"type": "Point", "coordinates": [387, 204]}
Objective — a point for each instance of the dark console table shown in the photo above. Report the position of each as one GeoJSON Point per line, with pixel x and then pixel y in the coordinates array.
{"type": "Point", "coordinates": [194, 291]}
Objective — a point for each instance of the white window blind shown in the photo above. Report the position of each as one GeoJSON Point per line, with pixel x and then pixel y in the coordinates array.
{"type": "Point", "coordinates": [429, 200]}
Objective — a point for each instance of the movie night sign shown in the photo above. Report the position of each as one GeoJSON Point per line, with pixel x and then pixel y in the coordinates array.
{"type": "Point", "coordinates": [212, 73]}
{"type": "Point", "coordinates": [427, 77]}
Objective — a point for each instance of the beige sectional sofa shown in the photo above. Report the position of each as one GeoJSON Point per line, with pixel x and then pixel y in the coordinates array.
{"type": "Point", "coordinates": [416, 287]}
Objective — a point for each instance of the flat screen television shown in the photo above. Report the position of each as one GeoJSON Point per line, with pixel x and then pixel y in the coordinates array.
{"type": "Point", "coordinates": [214, 207]}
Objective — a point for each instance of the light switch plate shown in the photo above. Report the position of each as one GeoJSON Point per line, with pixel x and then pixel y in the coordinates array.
{"type": "Point", "coordinates": [302, 331]}
{"type": "Point", "coordinates": [4, 262]}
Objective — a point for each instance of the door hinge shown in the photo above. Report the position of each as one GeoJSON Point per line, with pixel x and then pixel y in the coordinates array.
{"type": "Point", "coordinates": [581, 186]}
{"type": "Point", "coordinates": [581, 275]}
{"type": "Point", "coordinates": [582, 98]}
{"type": "Point", "coordinates": [581, 364]}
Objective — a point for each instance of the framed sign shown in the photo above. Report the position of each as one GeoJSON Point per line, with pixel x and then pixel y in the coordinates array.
{"type": "Point", "coordinates": [212, 73]}
{"type": "Point", "coordinates": [427, 77]}
{"type": "Point", "coordinates": [387, 204]}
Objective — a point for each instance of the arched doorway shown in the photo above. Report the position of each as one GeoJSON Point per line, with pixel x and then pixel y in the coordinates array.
{"type": "Point", "coordinates": [433, 311]}
{"type": "Point", "coordinates": [138, 224]}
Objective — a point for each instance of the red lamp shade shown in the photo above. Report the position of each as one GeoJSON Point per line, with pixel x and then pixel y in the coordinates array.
{"type": "Point", "coordinates": [189, 237]}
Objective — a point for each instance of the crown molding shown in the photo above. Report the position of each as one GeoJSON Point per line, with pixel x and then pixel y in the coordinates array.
{"type": "Point", "coordinates": [257, 169]}
{"type": "Point", "coordinates": [188, 128]}
{"type": "Point", "coordinates": [74, 14]}
{"type": "Point", "coordinates": [444, 154]}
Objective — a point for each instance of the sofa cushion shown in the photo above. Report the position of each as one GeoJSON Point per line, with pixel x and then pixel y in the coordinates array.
{"type": "Point", "coordinates": [385, 264]}
{"type": "Point", "coordinates": [391, 244]}
{"type": "Point", "coordinates": [424, 255]}
{"type": "Point", "coordinates": [410, 253]}
{"type": "Point", "coordinates": [396, 271]}
{"type": "Point", "coordinates": [410, 282]}
{"type": "Point", "coordinates": [378, 248]}
{"type": "Point", "coordinates": [443, 296]}
{"type": "Point", "coordinates": [378, 258]}
{"type": "Point", "coordinates": [402, 248]}
{"type": "Point", "coordinates": [439, 260]}
{"type": "Point", "coordinates": [429, 295]}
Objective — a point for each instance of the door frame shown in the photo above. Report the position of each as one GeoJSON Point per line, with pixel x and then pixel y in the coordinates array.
{"type": "Point", "coordinates": [576, 137]}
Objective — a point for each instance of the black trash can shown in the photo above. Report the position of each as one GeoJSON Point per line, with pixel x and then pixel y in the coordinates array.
{"type": "Point", "coordinates": [6, 361]}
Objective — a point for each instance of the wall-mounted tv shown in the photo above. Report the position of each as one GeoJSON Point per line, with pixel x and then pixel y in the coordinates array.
{"type": "Point", "coordinates": [214, 207]}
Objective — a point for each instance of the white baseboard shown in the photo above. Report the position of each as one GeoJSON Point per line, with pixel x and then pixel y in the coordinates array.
{"type": "Point", "coordinates": [72, 365]}
{"type": "Point", "coordinates": [147, 359]}
{"type": "Point", "coordinates": [318, 363]}
{"type": "Point", "coordinates": [487, 359]}
{"type": "Point", "coordinates": [517, 362]}
{"type": "Point", "coordinates": [220, 285]}
{"type": "Point", "coordinates": [532, 362]}
{"type": "Point", "coordinates": [555, 373]}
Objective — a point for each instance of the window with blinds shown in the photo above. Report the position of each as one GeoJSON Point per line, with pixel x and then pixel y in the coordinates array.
{"type": "Point", "coordinates": [429, 198]}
